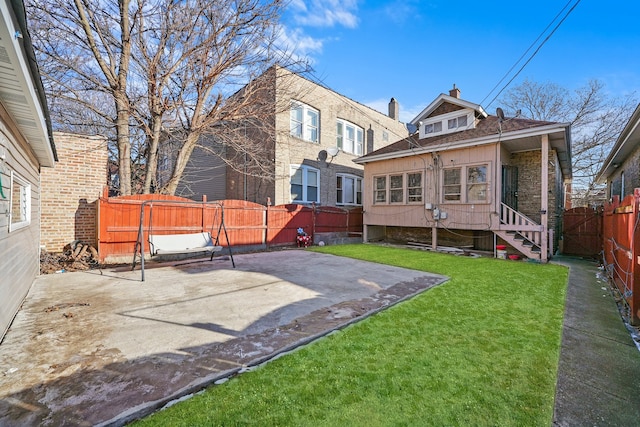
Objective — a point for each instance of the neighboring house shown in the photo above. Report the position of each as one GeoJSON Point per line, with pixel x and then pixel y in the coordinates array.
{"type": "Point", "coordinates": [466, 178]}
{"type": "Point", "coordinates": [310, 139]}
{"type": "Point", "coordinates": [25, 147]}
{"type": "Point", "coordinates": [621, 170]}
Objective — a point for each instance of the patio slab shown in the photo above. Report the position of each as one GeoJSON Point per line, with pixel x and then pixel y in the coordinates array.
{"type": "Point", "coordinates": [102, 348]}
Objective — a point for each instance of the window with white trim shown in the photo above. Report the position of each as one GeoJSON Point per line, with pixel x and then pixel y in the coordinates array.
{"type": "Point", "coordinates": [472, 179]}
{"type": "Point", "coordinates": [305, 184]}
{"type": "Point", "coordinates": [396, 189]}
{"type": "Point", "coordinates": [414, 187]}
{"type": "Point", "coordinates": [451, 187]}
{"type": "Point", "coordinates": [305, 122]}
{"type": "Point", "coordinates": [20, 203]}
{"type": "Point", "coordinates": [380, 189]}
{"type": "Point", "coordinates": [433, 127]}
{"type": "Point", "coordinates": [477, 183]}
{"type": "Point", "coordinates": [349, 189]}
{"type": "Point", "coordinates": [349, 137]}
{"type": "Point", "coordinates": [457, 122]}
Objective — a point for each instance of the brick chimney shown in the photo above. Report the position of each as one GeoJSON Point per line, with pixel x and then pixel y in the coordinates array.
{"type": "Point", "coordinates": [455, 92]}
{"type": "Point", "coordinates": [394, 109]}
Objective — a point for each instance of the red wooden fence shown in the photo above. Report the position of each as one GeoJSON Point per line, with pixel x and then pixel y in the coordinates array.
{"type": "Point", "coordinates": [248, 224]}
{"type": "Point", "coordinates": [622, 251]}
{"type": "Point", "coordinates": [582, 232]}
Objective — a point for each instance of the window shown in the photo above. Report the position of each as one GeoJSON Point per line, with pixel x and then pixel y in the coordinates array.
{"type": "Point", "coordinates": [20, 203]}
{"type": "Point", "coordinates": [414, 187]}
{"type": "Point", "coordinates": [476, 183]}
{"type": "Point", "coordinates": [396, 189]}
{"type": "Point", "coordinates": [472, 178]}
{"type": "Point", "coordinates": [433, 127]}
{"type": "Point", "coordinates": [305, 183]}
{"type": "Point", "coordinates": [380, 189]}
{"type": "Point", "coordinates": [452, 184]}
{"type": "Point", "coordinates": [349, 137]}
{"type": "Point", "coordinates": [349, 190]}
{"type": "Point", "coordinates": [458, 122]}
{"type": "Point", "coordinates": [304, 122]}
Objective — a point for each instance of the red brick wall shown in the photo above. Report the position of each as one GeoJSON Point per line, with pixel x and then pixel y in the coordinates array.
{"type": "Point", "coordinates": [71, 189]}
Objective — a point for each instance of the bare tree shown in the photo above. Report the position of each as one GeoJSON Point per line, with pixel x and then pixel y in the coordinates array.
{"type": "Point", "coordinates": [596, 120]}
{"type": "Point", "coordinates": [169, 70]}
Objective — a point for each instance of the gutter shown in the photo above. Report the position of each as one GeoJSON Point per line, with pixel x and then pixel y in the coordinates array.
{"type": "Point", "coordinates": [563, 127]}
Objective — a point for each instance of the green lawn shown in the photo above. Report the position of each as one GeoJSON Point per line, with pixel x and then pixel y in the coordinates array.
{"type": "Point", "coordinates": [480, 350]}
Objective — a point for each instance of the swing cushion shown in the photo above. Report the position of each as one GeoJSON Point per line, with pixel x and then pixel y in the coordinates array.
{"type": "Point", "coordinates": [164, 244]}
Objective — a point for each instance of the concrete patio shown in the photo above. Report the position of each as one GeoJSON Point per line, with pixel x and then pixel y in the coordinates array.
{"type": "Point", "coordinates": [102, 348]}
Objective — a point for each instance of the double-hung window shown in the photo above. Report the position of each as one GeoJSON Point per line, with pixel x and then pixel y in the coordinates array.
{"type": "Point", "coordinates": [349, 190]}
{"type": "Point", "coordinates": [380, 189]}
{"type": "Point", "coordinates": [414, 187]}
{"type": "Point", "coordinates": [305, 184]}
{"type": "Point", "coordinates": [477, 183]}
{"type": "Point", "coordinates": [20, 203]}
{"type": "Point", "coordinates": [452, 184]}
{"type": "Point", "coordinates": [396, 189]}
{"type": "Point", "coordinates": [305, 122]}
{"type": "Point", "coordinates": [349, 137]}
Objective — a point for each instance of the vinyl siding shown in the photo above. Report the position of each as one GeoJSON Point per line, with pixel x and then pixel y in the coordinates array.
{"type": "Point", "coordinates": [19, 249]}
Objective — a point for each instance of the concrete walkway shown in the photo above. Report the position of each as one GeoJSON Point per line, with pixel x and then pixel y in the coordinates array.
{"type": "Point", "coordinates": [599, 369]}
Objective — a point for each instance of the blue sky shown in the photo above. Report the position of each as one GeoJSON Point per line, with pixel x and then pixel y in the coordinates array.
{"type": "Point", "coordinates": [414, 50]}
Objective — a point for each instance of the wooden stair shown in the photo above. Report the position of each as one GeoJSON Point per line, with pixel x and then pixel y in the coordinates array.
{"type": "Point", "coordinates": [521, 232]}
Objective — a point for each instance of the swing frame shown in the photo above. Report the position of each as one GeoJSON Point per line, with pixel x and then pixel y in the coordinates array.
{"type": "Point", "coordinates": [178, 243]}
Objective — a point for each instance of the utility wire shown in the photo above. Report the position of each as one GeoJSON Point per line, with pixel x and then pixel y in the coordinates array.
{"type": "Point", "coordinates": [534, 53]}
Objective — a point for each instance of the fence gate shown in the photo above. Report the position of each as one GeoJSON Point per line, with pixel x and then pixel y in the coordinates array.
{"type": "Point", "coordinates": [582, 232]}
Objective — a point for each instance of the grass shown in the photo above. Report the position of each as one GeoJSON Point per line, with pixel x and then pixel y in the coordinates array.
{"type": "Point", "coordinates": [481, 349]}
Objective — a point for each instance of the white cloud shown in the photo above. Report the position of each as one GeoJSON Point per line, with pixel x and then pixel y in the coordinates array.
{"type": "Point", "coordinates": [325, 13]}
{"type": "Point", "coordinates": [297, 41]}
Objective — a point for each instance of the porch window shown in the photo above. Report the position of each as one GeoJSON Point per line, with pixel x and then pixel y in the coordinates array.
{"type": "Point", "coordinates": [380, 189]}
{"type": "Point", "coordinates": [396, 190]}
{"type": "Point", "coordinates": [476, 183]}
{"type": "Point", "coordinates": [452, 185]}
{"type": "Point", "coordinates": [305, 182]}
{"type": "Point", "coordinates": [20, 202]}
{"type": "Point", "coordinates": [414, 187]}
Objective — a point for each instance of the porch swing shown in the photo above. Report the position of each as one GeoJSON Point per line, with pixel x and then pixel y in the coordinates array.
{"type": "Point", "coordinates": [183, 243]}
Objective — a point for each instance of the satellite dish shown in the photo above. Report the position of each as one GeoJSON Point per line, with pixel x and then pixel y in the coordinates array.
{"type": "Point", "coordinates": [500, 113]}
{"type": "Point", "coordinates": [333, 151]}
{"type": "Point", "coordinates": [322, 155]}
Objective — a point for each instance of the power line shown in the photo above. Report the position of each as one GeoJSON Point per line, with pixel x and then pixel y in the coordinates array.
{"type": "Point", "coordinates": [534, 53]}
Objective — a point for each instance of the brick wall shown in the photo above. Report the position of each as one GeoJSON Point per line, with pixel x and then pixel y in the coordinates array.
{"type": "Point", "coordinates": [71, 189]}
{"type": "Point", "coordinates": [529, 186]}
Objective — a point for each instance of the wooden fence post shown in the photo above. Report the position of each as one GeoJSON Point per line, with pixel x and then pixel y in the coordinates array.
{"type": "Point", "coordinates": [634, 300]}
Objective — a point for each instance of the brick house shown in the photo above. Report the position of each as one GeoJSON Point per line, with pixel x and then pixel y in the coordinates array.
{"type": "Point", "coordinates": [26, 147]}
{"type": "Point", "coordinates": [313, 136]}
{"type": "Point", "coordinates": [467, 178]}
{"type": "Point", "coordinates": [621, 169]}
